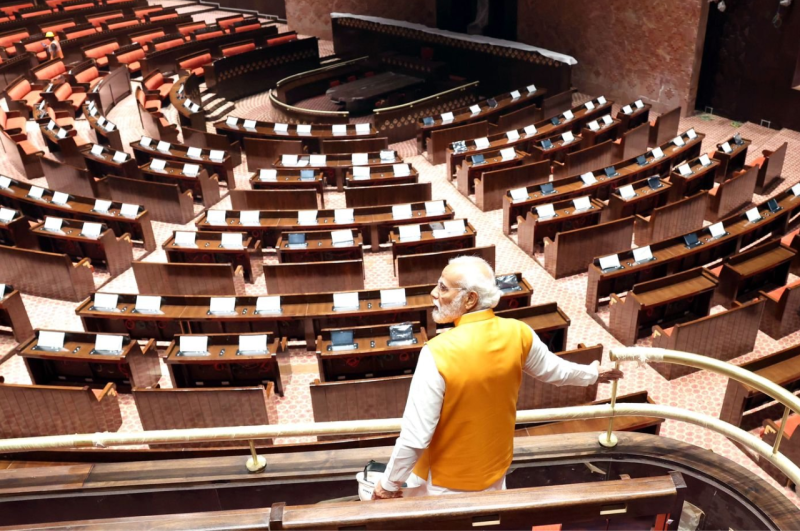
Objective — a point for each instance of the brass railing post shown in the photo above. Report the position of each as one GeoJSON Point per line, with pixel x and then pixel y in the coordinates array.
{"type": "Point", "coordinates": [608, 439]}
{"type": "Point", "coordinates": [255, 463]}
{"type": "Point", "coordinates": [781, 429]}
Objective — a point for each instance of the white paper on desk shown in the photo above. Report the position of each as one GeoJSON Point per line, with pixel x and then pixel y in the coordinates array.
{"type": "Point", "coordinates": [692, 134]}
{"type": "Point", "coordinates": [60, 198]}
{"type": "Point", "coordinates": [388, 155]}
{"type": "Point", "coordinates": [545, 211]}
{"type": "Point", "coordinates": [401, 211]}
{"type": "Point", "coordinates": [51, 125]}
{"type": "Point", "coordinates": [5, 182]}
{"type": "Point", "coordinates": [268, 175]}
{"type": "Point", "coordinates": [684, 170]}
{"type": "Point", "coordinates": [717, 230]}
{"type": "Point", "coordinates": [601, 100]}
{"type": "Point", "coordinates": [2, 290]}
{"type": "Point", "coordinates": [222, 305]}
{"type": "Point", "coordinates": [345, 301]}
{"type": "Point", "coordinates": [109, 126]}
{"type": "Point", "coordinates": [678, 141]}
{"type": "Point", "coordinates": [393, 297]}
{"type": "Point", "coordinates": [401, 170]}
{"type": "Point", "coordinates": [129, 211]}
{"type": "Point", "coordinates": [108, 343]}
{"type": "Point", "coordinates": [231, 240]}
{"type": "Point", "coordinates": [339, 237]}
{"type": "Point", "coordinates": [796, 190]}
{"type": "Point", "coordinates": [359, 159]}
{"type": "Point", "coordinates": [163, 146]}
{"type": "Point", "coordinates": [531, 89]}
{"type": "Point", "coordinates": [231, 121]}
{"type": "Point", "coordinates": [120, 156]}
{"type": "Point", "coordinates": [216, 217]}
{"type": "Point", "coordinates": [281, 128]}
{"type": "Point", "coordinates": [362, 129]}
{"type": "Point", "coordinates": [92, 110]}
{"type": "Point", "coordinates": [289, 160]}
{"type": "Point", "coordinates": [475, 109]}
{"type": "Point", "coordinates": [53, 224]}
{"type": "Point", "coordinates": [447, 117]}
{"type": "Point", "coordinates": [343, 216]}
{"type": "Point", "coordinates": [307, 217]}
{"type": "Point", "coordinates": [317, 160]}
{"type": "Point", "coordinates": [97, 150]}
{"type": "Point", "coordinates": [515, 95]}
{"type": "Point", "coordinates": [588, 178]}
{"type": "Point", "coordinates": [568, 137]}
{"type": "Point", "coordinates": [50, 339]}
{"type": "Point", "coordinates": [582, 203]}
{"type": "Point", "coordinates": [106, 301]}
{"type": "Point", "coordinates": [593, 125]}
{"type": "Point", "coordinates": [508, 153]}
{"type": "Point", "coordinates": [150, 303]}
{"type": "Point", "coordinates": [194, 152]}
{"type": "Point", "coordinates": [753, 215]}
{"type": "Point", "coordinates": [62, 133]}
{"type": "Point", "coordinates": [639, 104]}
{"type": "Point", "coordinates": [705, 160]}
{"type": "Point", "coordinates": [455, 226]}
{"type": "Point", "coordinates": [145, 141]}
{"type": "Point", "coordinates": [249, 124]}
{"type": "Point", "coordinates": [607, 120]}
{"type": "Point", "coordinates": [609, 261]}
{"type": "Point", "coordinates": [303, 129]}
{"type": "Point", "coordinates": [361, 173]}
{"type": "Point", "coordinates": [626, 192]}
{"type": "Point", "coordinates": [726, 147]}
{"type": "Point", "coordinates": [627, 109]}
{"type": "Point", "coordinates": [409, 233]}
{"type": "Point", "coordinates": [658, 153]}
{"type": "Point", "coordinates": [589, 106]}
{"type": "Point", "coordinates": [512, 135]}
{"type": "Point", "coordinates": [339, 129]}
{"type": "Point", "coordinates": [481, 143]}
{"type": "Point", "coordinates": [194, 344]}
{"type": "Point", "coordinates": [271, 304]}
{"type": "Point", "coordinates": [250, 218]}
{"type": "Point", "coordinates": [91, 230]}
{"type": "Point", "coordinates": [6, 214]}
{"type": "Point", "coordinates": [256, 343]}
{"type": "Point", "coordinates": [642, 254]}
{"type": "Point", "coordinates": [101, 121]}
{"type": "Point", "coordinates": [35, 192]}
{"type": "Point", "coordinates": [101, 205]}
{"type": "Point", "coordinates": [568, 115]}
{"type": "Point", "coordinates": [158, 165]}
{"type": "Point", "coordinates": [185, 239]}
{"type": "Point", "coordinates": [433, 208]}
{"type": "Point", "coordinates": [519, 194]}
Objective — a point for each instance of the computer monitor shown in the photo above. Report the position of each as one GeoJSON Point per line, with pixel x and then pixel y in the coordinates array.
{"type": "Point", "coordinates": [492, 103]}
{"type": "Point", "coordinates": [737, 139]}
{"type": "Point", "coordinates": [427, 120]}
{"type": "Point", "coordinates": [691, 240]}
{"type": "Point", "coordinates": [641, 160]}
{"type": "Point", "coordinates": [546, 188]}
{"type": "Point", "coordinates": [508, 283]}
{"type": "Point", "coordinates": [547, 144]}
{"type": "Point", "coordinates": [773, 205]}
{"type": "Point", "coordinates": [610, 171]}
{"type": "Point", "coordinates": [554, 120]}
{"type": "Point", "coordinates": [341, 338]}
{"type": "Point", "coordinates": [297, 238]}
{"type": "Point", "coordinates": [459, 147]}
{"type": "Point", "coordinates": [654, 183]}
{"type": "Point", "coordinates": [478, 159]}
{"type": "Point", "coordinates": [306, 175]}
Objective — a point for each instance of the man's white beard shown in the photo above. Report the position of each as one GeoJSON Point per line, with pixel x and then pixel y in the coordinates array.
{"type": "Point", "coordinates": [449, 313]}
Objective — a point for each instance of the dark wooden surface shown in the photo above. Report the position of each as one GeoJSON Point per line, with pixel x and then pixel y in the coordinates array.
{"type": "Point", "coordinates": [427, 268]}
{"type": "Point", "coordinates": [154, 278]}
{"type": "Point", "coordinates": [393, 194]}
{"type": "Point", "coordinates": [732, 195]}
{"type": "Point", "coordinates": [533, 231]}
{"type": "Point", "coordinates": [273, 199]}
{"type": "Point", "coordinates": [362, 94]}
{"type": "Point", "coordinates": [742, 276]}
{"type": "Point", "coordinates": [165, 202]}
{"type": "Point", "coordinates": [491, 186]}
{"type": "Point", "coordinates": [203, 186]}
{"type": "Point", "coordinates": [57, 277]}
{"type": "Point", "coordinates": [208, 249]}
{"type": "Point", "coordinates": [14, 315]}
{"type": "Point", "coordinates": [770, 170]}
{"type": "Point", "coordinates": [675, 218]}
{"type": "Point", "coordinates": [304, 277]}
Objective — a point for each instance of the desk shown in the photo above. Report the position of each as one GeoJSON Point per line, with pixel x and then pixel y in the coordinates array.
{"type": "Point", "coordinates": [319, 248]}
{"type": "Point", "coordinates": [605, 131]}
{"type": "Point", "coordinates": [75, 364]}
{"type": "Point", "coordinates": [430, 241]}
{"type": "Point", "coordinates": [677, 298]}
{"type": "Point", "coordinates": [204, 188]}
{"type": "Point", "coordinates": [733, 161]}
{"type": "Point", "coordinates": [764, 267]}
{"type": "Point", "coordinates": [362, 94]}
{"type": "Point", "coordinates": [104, 164]}
{"type": "Point", "coordinates": [548, 320]}
{"type": "Point", "coordinates": [102, 135]}
{"type": "Point", "coordinates": [224, 366]}
{"type": "Point", "coordinates": [558, 152]}
{"type": "Point", "coordinates": [381, 176]}
{"type": "Point", "coordinates": [69, 148]}
{"type": "Point", "coordinates": [636, 118]}
{"type": "Point", "coordinates": [468, 171]}
{"type": "Point", "coordinates": [304, 277]}
{"type": "Point", "coordinates": [643, 204]}
{"type": "Point", "coordinates": [14, 315]}
{"type": "Point", "coordinates": [180, 153]}
{"type": "Point", "coordinates": [533, 230]}
{"type": "Point", "coordinates": [336, 165]}
{"type": "Point", "coordinates": [287, 179]}
{"type": "Point", "coordinates": [311, 141]}
{"type": "Point", "coordinates": [373, 357]}
{"type": "Point", "coordinates": [702, 178]}
{"type": "Point", "coordinates": [17, 232]}
{"type": "Point", "coordinates": [208, 249]}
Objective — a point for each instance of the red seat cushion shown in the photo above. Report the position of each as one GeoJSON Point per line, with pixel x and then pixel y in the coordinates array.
{"type": "Point", "coordinates": [759, 161]}
{"type": "Point", "coordinates": [51, 71]}
{"type": "Point", "coordinates": [194, 62]}
{"type": "Point", "coordinates": [717, 270]}
{"type": "Point", "coordinates": [281, 40]}
{"type": "Point", "coordinates": [167, 44]}
{"type": "Point", "coordinates": [18, 91]}
{"type": "Point", "coordinates": [248, 27]}
{"type": "Point", "coordinates": [88, 75]}
{"type": "Point", "coordinates": [154, 81]}
{"type": "Point", "coordinates": [789, 238]}
{"type": "Point", "coordinates": [234, 50]}
{"type": "Point", "coordinates": [778, 292]}
{"type": "Point", "coordinates": [791, 424]}
{"type": "Point", "coordinates": [209, 35]}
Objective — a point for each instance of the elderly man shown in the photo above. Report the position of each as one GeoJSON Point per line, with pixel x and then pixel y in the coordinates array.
{"type": "Point", "coordinates": [458, 426]}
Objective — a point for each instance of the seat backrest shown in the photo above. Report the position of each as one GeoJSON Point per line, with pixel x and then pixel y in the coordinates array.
{"type": "Point", "coordinates": [154, 81]}
{"type": "Point", "coordinates": [19, 90]}
{"type": "Point", "coordinates": [102, 51]}
{"type": "Point", "coordinates": [238, 48]}
{"type": "Point", "coordinates": [281, 40]}
{"type": "Point", "coordinates": [167, 44]}
{"type": "Point", "coordinates": [63, 92]}
{"type": "Point", "coordinates": [85, 76]}
{"type": "Point", "coordinates": [147, 37]}
{"type": "Point", "coordinates": [9, 40]}
{"type": "Point", "coordinates": [195, 61]}
{"type": "Point", "coordinates": [50, 71]}
{"type": "Point", "coordinates": [187, 29]}
{"type": "Point", "coordinates": [130, 57]}
{"type": "Point", "coordinates": [209, 35]}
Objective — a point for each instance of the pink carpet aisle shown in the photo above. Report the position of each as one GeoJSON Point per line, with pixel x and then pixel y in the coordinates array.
{"type": "Point", "coordinates": [701, 392]}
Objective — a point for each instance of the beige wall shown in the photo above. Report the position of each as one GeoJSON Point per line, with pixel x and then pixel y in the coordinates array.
{"type": "Point", "coordinates": [626, 49]}
{"type": "Point", "coordinates": [312, 17]}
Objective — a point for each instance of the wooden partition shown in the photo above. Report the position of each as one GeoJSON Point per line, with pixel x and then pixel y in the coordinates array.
{"type": "Point", "coordinates": [204, 139]}
{"type": "Point", "coordinates": [273, 199]}
{"type": "Point", "coordinates": [263, 152]}
{"type": "Point", "coordinates": [155, 278]}
{"type": "Point", "coordinates": [436, 146]}
{"type": "Point", "coordinates": [536, 394]}
{"type": "Point", "coordinates": [519, 118]}
{"type": "Point", "coordinates": [14, 315]}
{"type": "Point", "coordinates": [573, 250]}
{"type": "Point", "coordinates": [587, 159]}
{"type": "Point", "coordinates": [51, 275]}
{"type": "Point", "coordinates": [670, 220]}
{"type": "Point", "coordinates": [310, 277]}
{"type": "Point", "coordinates": [723, 336]}
{"type": "Point", "coordinates": [426, 268]}
{"type": "Point", "coordinates": [361, 145]}
{"type": "Point", "coordinates": [491, 186]}
{"type": "Point", "coordinates": [40, 410]}
{"type": "Point", "coordinates": [634, 141]}
{"type": "Point", "coordinates": [164, 202]}
{"type": "Point", "coordinates": [67, 178]}
{"type": "Point", "coordinates": [770, 169]}
{"type": "Point", "coordinates": [665, 127]}
{"type": "Point", "coordinates": [374, 398]}
{"type": "Point", "coordinates": [396, 194]}
{"type": "Point", "coordinates": [733, 194]}
{"type": "Point", "coordinates": [782, 311]}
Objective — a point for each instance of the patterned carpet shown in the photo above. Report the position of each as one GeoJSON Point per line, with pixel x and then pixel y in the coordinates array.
{"type": "Point", "coordinates": [701, 392]}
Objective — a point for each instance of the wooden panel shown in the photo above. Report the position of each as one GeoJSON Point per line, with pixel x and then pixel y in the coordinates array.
{"type": "Point", "coordinates": [50, 275]}
{"type": "Point", "coordinates": [439, 140]}
{"type": "Point", "coordinates": [666, 127]}
{"type": "Point", "coordinates": [14, 315]}
{"type": "Point", "coordinates": [427, 268]}
{"type": "Point", "coordinates": [398, 194]}
{"type": "Point", "coordinates": [519, 118]}
{"type": "Point", "coordinates": [573, 251]}
{"type": "Point", "coordinates": [782, 312]}
{"type": "Point", "coordinates": [376, 398]}
{"type": "Point", "coordinates": [309, 277]}
{"type": "Point", "coordinates": [164, 202]}
{"type": "Point", "coordinates": [732, 195]}
{"type": "Point", "coordinates": [361, 145]}
{"type": "Point", "coordinates": [634, 142]}
{"type": "Point", "coordinates": [671, 220]}
{"type": "Point", "coordinates": [493, 185]}
{"type": "Point", "coordinates": [262, 152]}
{"type": "Point", "coordinates": [153, 278]}
{"type": "Point", "coordinates": [273, 199]}
{"type": "Point", "coordinates": [588, 159]}
{"type": "Point", "coordinates": [770, 171]}
{"type": "Point", "coordinates": [535, 394]}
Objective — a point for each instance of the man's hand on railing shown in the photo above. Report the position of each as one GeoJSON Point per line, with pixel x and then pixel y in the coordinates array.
{"type": "Point", "coordinates": [382, 494]}
{"type": "Point", "coordinates": [607, 375]}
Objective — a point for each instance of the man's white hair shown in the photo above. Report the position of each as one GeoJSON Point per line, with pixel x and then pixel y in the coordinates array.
{"type": "Point", "coordinates": [480, 279]}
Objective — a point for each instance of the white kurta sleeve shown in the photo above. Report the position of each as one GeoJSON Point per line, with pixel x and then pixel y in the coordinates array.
{"type": "Point", "coordinates": [547, 367]}
{"type": "Point", "coordinates": [420, 418]}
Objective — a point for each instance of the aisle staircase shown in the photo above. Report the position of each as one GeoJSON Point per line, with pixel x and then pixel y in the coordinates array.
{"type": "Point", "coordinates": [216, 107]}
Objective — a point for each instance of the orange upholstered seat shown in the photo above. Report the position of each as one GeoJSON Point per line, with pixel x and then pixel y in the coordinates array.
{"type": "Point", "coordinates": [714, 190]}
{"type": "Point", "coordinates": [131, 59]}
{"type": "Point", "coordinates": [776, 293]}
{"type": "Point", "coordinates": [23, 91]}
{"type": "Point", "coordinates": [58, 26]}
{"type": "Point", "coordinates": [10, 124]}
{"type": "Point", "coordinates": [228, 22]}
{"type": "Point", "coordinates": [248, 27]}
{"type": "Point", "coordinates": [90, 76]}
{"type": "Point", "coordinates": [209, 35]}
{"type": "Point", "coordinates": [82, 33]}
{"type": "Point", "coordinates": [99, 53]}
{"type": "Point", "coordinates": [65, 93]}
{"type": "Point", "coordinates": [717, 270]}
{"type": "Point", "coordinates": [37, 49]}
{"type": "Point", "coordinates": [74, 7]}
{"type": "Point", "coordinates": [157, 82]}
{"type": "Point", "coordinates": [791, 424]}
{"type": "Point", "coordinates": [154, 18]}
{"type": "Point", "coordinates": [191, 28]}
{"type": "Point", "coordinates": [8, 41]}
{"type": "Point", "coordinates": [142, 11]}
{"type": "Point", "coordinates": [281, 40]}
{"type": "Point", "coordinates": [239, 48]}
{"type": "Point", "coordinates": [149, 105]}
{"type": "Point", "coordinates": [195, 64]}
{"type": "Point", "coordinates": [167, 44]}
{"type": "Point", "coordinates": [788, 238]}
{"type": "Point", "coordinates": [147, 37]}
{"type": "Point", "coordinates": [122, 24]}
{"type": "Point", "coordinates": [51, 71]}
{"type": "Point", "coordinates": [99, 19]}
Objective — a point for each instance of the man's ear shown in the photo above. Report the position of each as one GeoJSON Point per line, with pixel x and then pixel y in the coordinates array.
{"type": "Point", "coordinates": [472, 300]}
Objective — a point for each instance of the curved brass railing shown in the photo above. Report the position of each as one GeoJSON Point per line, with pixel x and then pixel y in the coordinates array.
{"type": "Point", "coordinates": [321, 69]}
{"type": "Point", "coordinates": [438, 95]}
{"type": "Point", "coordinates": [361, 427]}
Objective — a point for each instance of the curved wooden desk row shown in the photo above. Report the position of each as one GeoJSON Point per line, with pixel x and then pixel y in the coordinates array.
{"type": "Point", "coordinates": [301, 316]}
{"type": "Point", "coordinates": [335, 167]}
